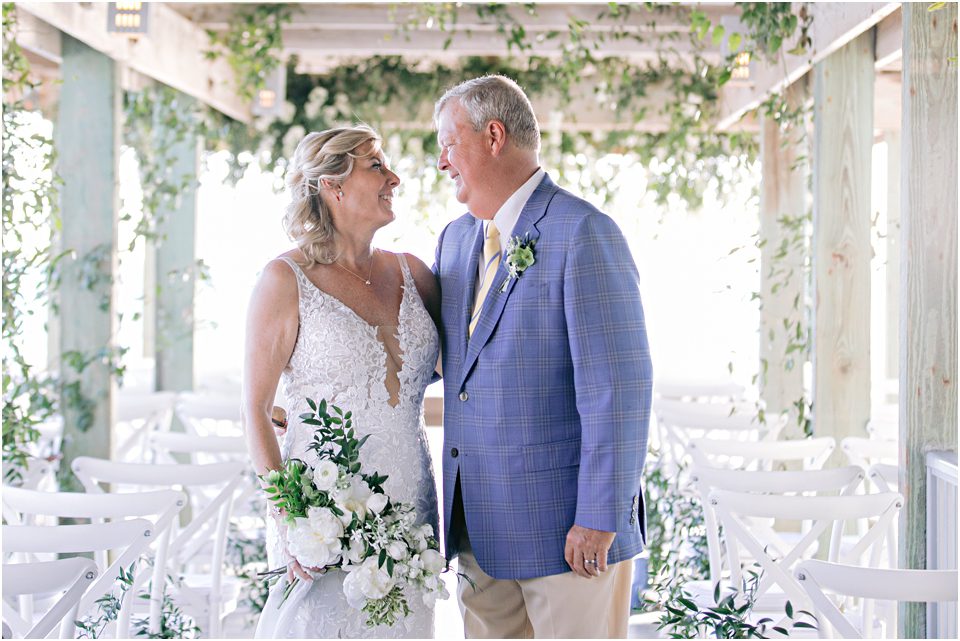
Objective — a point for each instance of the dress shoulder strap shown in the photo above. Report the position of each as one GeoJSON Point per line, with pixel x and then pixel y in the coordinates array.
{"type": "Point", "coordinates": [405, 268]}
{"type": "Point", "coordinates": [297, 271]}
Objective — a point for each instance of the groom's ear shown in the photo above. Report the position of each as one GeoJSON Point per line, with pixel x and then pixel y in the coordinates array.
{"type": "Point", "coordinates": [496, 137]}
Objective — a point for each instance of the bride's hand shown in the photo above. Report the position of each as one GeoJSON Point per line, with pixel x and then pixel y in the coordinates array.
{"type": "Point", "coordinates": [294, 569]}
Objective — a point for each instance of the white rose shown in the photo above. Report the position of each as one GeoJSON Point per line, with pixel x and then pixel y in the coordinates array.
{"type": "Point", "coordinates": [325, 475]}
{"type": "Point", "coordinates": [397, 550]}
{"type": "Point", "coordinates": [315, 540]}
{"type": "Point", "coordinates": [353, 499]}
{"type": "Point", "coordinates": [433, 561]}
{"type": "Point", "coordinates": [376, 503]}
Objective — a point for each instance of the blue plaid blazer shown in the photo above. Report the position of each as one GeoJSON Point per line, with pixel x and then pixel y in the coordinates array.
{"type": "Point", "coordinates": [546, 407]}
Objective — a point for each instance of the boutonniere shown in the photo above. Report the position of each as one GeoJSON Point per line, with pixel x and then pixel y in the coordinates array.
{"type": "Point", "coordinates": [519, 257]}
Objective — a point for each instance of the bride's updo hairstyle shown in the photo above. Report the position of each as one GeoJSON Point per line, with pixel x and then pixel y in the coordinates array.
{"type": "Point", "coordinates": [325, 156]}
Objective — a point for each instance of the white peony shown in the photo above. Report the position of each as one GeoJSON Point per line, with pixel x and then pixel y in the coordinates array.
{"type": "Point", "coordinates": [367, 582]}
{"type": "Point", "coordinates": [325, 475]}
{"type": "Point", "coordinates": [376, 503]}
{"type": "Point", "coordinates": [397, 550]}
{"type": "Point", "coordinates": [353, 499]}
{"type": "Point", "coordinates": [433, 561]}
{"type": "Point", "coordinates": [315, 540]}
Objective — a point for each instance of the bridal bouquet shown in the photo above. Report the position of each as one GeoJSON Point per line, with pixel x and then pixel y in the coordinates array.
{"type": "Point", "coordinates": [338, 517]}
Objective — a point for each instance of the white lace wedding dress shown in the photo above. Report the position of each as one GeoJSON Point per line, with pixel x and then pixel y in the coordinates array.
{"type": "Point", "coordinates": [378, 373]}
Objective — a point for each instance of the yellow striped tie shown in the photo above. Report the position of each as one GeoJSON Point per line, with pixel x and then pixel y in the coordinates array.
{"type": "Point", "coordinates": [491, 260]}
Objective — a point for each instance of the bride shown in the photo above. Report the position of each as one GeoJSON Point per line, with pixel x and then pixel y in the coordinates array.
{"type": "Point", "coordinates": [337, 319]}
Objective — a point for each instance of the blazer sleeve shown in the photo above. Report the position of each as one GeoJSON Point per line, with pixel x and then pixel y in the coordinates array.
{"type": "Point", "coordinates": [613, 374]}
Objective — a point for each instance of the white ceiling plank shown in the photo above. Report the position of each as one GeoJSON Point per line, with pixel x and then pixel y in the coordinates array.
{"type": "Point", "coordinates": [172, 53]}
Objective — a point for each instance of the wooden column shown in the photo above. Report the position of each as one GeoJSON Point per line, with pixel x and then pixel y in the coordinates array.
{"type": "Point", "coordinates": [783, 204]}
{"type": "Point", "coordinates": [892, 367]}
{"type": "Point", "coordinates": [174, 270]}
{"type": "Point", "coordinates": [843, 142]}
{"type": "Point", "coordinates": [928, 263]}
{"type": "Point", "coordinates": [87, 140]}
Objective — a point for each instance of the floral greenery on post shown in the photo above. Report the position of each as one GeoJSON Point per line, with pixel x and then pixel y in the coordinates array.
{"type": "Point", "coordinates": [251, 45]}
{"type": "Point", "coordinates": [29, 214]}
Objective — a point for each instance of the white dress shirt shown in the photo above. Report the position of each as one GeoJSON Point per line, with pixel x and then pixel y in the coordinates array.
{"type": "Point", "coordinates": [506, 218]}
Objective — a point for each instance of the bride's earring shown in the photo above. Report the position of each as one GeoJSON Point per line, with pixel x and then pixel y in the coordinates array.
{"type": "Point", "coordinates": [339, 195]}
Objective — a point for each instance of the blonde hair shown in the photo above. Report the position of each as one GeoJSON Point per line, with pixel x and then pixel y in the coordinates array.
{"type": "Point", "coordinates": [327, 155]}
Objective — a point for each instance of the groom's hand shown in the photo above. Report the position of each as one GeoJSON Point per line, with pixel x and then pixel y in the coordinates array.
{"type": "Point", "coordinates": [584, 546]}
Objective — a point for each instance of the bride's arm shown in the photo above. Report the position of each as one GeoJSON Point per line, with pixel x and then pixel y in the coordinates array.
{"type": "Point", "coordinates": [429, 289]}
{"type": "Point", "coordinates": [272, 324]}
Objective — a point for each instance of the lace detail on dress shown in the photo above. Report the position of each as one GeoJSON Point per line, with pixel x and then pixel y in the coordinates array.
{"type": "Point", "coordinates": [340, 357]}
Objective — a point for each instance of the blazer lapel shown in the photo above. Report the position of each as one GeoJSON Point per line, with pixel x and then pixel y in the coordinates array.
{"type": "Point", "coordinates": [496, 300]}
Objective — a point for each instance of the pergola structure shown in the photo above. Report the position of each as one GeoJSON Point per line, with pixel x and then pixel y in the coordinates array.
{"type": "Point", "coordinates": [873, 70]}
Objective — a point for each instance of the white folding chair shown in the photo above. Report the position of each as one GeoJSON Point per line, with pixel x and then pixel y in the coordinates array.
{"type": "Point", "coordinates": [202, 592]}
{"type": "Point", "coordinates": [704, 390]}
{"type": "Point", "coordinates": [809, 453]}
{"type": "Point", "coordinates": [868, 451]}
{"type": "Point", "coordinates": [131, 537]}
{"type": "Point", "coordinates": [737, 509]}
{"type": "Point", "coordinates": [681, 421]}
{"type": "Point", "coordinates": [817, 578]}
{"type": "Point", "coordinates": [138, 414]}
{"type": "Point", "coordinates": [210, 414]}
{"type": "Point", "coordinates": [843, 480]}
{"type": "Point", "coordinates": [68, 578]}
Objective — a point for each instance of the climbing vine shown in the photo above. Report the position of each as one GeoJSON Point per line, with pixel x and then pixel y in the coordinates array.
{"type": "Point", "coordinates": [30, 395]}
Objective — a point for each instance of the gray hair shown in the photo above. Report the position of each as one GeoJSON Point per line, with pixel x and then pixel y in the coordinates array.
{"type": "Point", "coordinates": [499, 98]}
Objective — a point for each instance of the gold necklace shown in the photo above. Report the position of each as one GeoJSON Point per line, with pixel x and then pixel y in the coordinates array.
{"type": "Point", "coordinates": [366, 281]}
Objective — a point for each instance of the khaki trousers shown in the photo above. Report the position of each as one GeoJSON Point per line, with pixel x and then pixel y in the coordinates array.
{"type": "Point", "coordinates": [551, 607]}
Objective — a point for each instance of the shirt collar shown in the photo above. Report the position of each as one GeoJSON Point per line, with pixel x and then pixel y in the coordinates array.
{"type": "Point", "coordinates": [506, 217]}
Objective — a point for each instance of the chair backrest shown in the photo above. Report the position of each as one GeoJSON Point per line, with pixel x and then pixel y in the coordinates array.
{"type": "Point", "coordinates": [200, 449]}
{"type": "Point", "coordinates": [867, 451]}
{"type": "Point", "coordinates": [699, 390]}
{"type": "Point", "coordinates": [139, 414]}
{"type": "Point", "coordinates": [679, 422]}
{"type": "Point", "coordinates": [210, 414]}
{"type": "Point", "coordinates": [71, 576]}
{"type": "Point", "coordinates": [819, 577]}
{"type": "Point", "coordinates": [736, 509]}
{"type": "Point", "coordinates": [812, 453]}
{"type": "Point", "coordinates": [885, 477]}
{"type": "Point", "coordinates": [843, 480]}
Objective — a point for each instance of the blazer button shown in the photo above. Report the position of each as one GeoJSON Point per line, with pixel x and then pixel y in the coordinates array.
{"type": "Point", "coordinates": [464, 396]}
{"type": "Point", "coordinates": [454, 452]}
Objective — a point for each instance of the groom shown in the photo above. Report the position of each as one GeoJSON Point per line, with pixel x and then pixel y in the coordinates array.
{"type": "Point", "coordinates": [547, 380]}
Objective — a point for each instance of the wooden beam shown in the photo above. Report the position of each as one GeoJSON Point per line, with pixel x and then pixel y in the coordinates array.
{"type": "Point", "coordinates": [843, 145]}
{"type": "Point", "coordinates": [89, 202]}
{"type": "Point", "coordinates": [384, 16]}
{"type": "Point", "coordinates": [892, 270]}
{"type": "Point", "coordinates": [834, 25]}
{"type": "Point", "coordinates": [928, 262]}
{"type": "Point", "coordinates": [783, 194]}
{"type": "Point", "coordinates": [172, 53]}
{"type": "Point", "coordinates": [890, 42]}
{"type": "Point", "coordinates": [313, 45]}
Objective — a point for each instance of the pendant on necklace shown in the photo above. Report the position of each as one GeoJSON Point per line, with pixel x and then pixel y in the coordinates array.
{"type": "Point", "coordinates": [367, 283]}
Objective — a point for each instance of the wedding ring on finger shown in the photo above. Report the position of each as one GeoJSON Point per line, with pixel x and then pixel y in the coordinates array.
{"type": "Point", "coordinates": [589, 561]}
